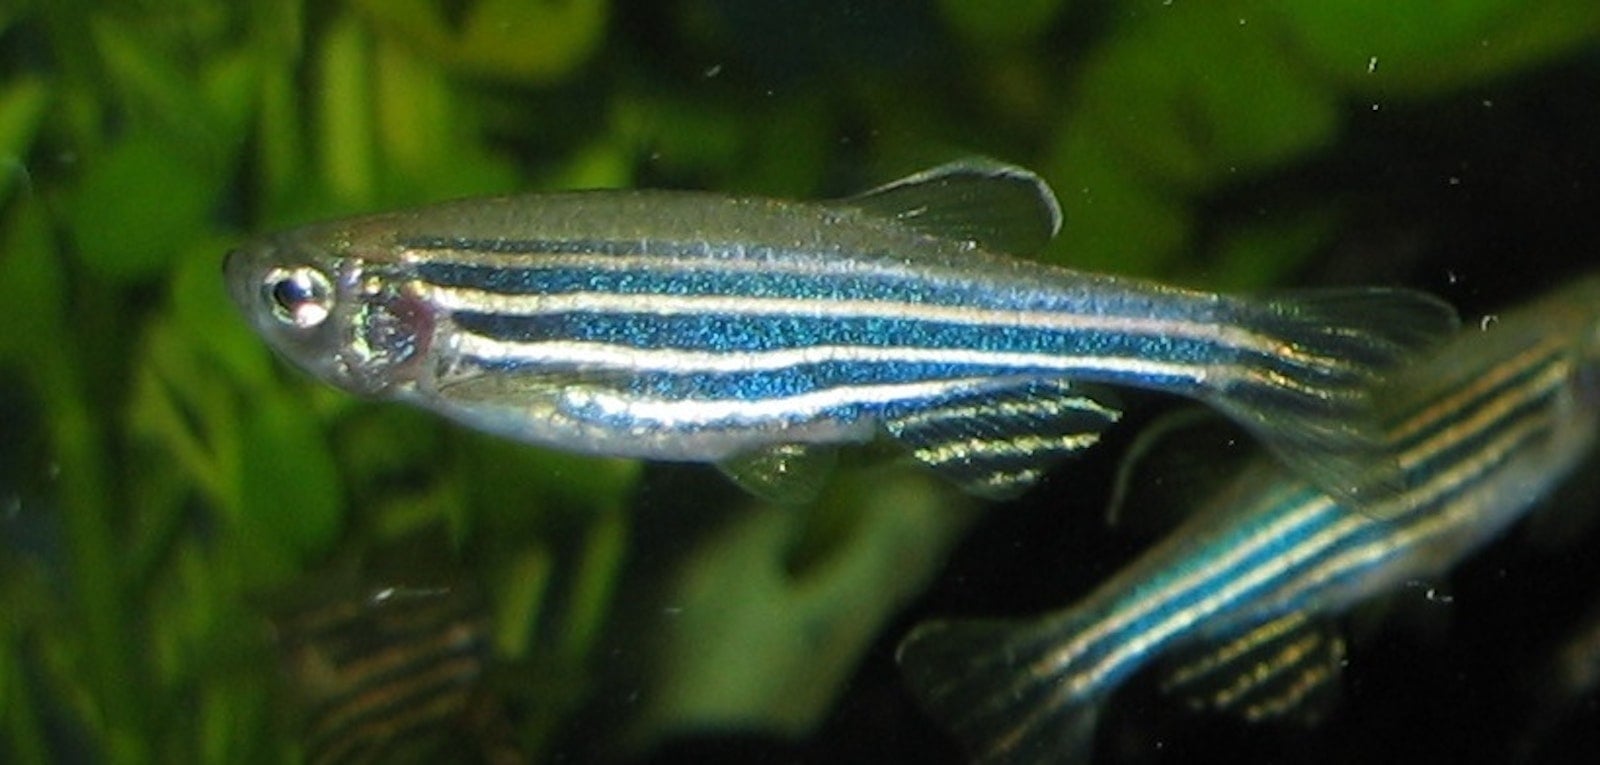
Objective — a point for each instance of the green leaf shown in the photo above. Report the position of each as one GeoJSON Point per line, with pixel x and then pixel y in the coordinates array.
{"type": "Point", "coordinates": [538, 41]}
{"type": "Point", "coordinates": [209, 320]}
{"type": "Point", "coordinates": [137, 203]}
{"type": "Point", "coordinates": [290, 489]}
{"type": "Point", "coordinates": [32, 291]}
{"type": "Point", "coordinates": [22, 109]}
{"type": "Point", "coordinates": [983, 22]}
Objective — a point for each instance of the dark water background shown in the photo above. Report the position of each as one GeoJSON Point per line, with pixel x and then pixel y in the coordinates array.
{"type": "Point", "coordinates": [168, 491]}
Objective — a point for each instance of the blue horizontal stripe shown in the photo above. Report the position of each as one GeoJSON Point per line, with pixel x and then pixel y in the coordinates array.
{"type": "Point", "coordinates": [726, 334]}
{"type": "Point", "coordinates": [823, 285]}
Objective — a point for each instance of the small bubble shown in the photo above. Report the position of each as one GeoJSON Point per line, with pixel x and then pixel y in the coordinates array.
{"type": "Point", "coordinates": [1372, 65]}
{"type": "Point", "coordinates": [1433, 594]}
{"type": "Point", "coordinates": [1488, 321]}
{"type": "Point", "coordinates": [713, 70]}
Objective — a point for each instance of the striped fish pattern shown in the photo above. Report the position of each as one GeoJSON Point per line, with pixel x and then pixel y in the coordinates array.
{"type": "Point", "coordinates": [697, 327]}
{"type": "Point", "coordinates": [1484, 427]}
{"type": "Point", "coordinates": [395, 670]}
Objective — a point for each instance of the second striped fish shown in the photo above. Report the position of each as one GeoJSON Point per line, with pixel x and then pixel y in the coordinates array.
{"type": "Point", "coordinates": [1247, 587]}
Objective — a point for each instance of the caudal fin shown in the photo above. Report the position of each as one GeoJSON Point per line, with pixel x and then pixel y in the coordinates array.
{"type": "Point", "coordinates": [1310, 397]}
{"type": "Point", "coordinates": [1003, 690]}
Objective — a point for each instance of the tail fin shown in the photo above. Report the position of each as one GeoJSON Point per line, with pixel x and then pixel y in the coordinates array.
{"type": "Point", "coordinates": [1002, 690]}
{"type": "Point", "coordinates": [1310, 400]}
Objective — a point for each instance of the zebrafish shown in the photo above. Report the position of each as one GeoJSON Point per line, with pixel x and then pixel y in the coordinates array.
{"type": "Point", "coordinates": [756, 333]}
{"type": "Point", "coordinates": [1242, 594]}
{"type": "Point", "coordinates": [397, 669]}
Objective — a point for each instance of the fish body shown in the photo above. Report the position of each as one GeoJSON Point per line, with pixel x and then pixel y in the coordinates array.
{"type": "Point", "coordinates": [1483, 428]}
{"type": "Point", "coordinates": [690, 326]}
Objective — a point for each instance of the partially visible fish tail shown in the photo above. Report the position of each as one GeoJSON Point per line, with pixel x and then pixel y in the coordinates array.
{"type": "Point", "coordinates": [1001, 689]}
{"type": "Point", "coordinates": [1309, 397]}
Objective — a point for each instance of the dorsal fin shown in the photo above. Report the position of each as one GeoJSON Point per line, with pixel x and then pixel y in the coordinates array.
{"type": "Point", "coordinates": [995, 443]}
{"type": "Point", "coordinates": [1001, 207]}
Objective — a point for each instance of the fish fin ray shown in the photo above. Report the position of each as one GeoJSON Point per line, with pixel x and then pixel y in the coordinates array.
{"type": "Point", "coordinates": [1001, 207]}
{"type": "Point", "coordinates": [1286, 669]}
{"type": "Point", "coordinates": [996, 443]}
{"type": "Point", "coordinates": [975, 678]}
{"type": "Point", "coordinates": [1319, 411]}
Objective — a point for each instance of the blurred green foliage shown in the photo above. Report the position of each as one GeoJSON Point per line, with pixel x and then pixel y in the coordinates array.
{"type": "Point", "coordinates": [166, 476]}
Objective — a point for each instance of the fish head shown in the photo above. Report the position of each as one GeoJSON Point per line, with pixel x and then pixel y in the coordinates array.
{"type": "Point", "coordinates": [333, 306]}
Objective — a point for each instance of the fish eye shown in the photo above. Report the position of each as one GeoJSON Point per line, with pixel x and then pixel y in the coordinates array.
{"type": "Point", "coordinates": [300, 296]}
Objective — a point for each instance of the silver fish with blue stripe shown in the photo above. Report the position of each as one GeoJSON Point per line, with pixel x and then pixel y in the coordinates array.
{"type": "Point", "coordinates": [1241, 595]}
{"type": "Point", "coordinates": [755, 333]}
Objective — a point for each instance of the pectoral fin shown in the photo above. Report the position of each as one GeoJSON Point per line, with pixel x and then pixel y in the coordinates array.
{"type": "Point", "coordinates": [783, 474]}
{"type": "Point", "coordinates": [995, 443]}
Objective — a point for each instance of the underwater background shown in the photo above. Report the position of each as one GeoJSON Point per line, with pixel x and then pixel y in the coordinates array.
{"type": "Point", "coordinates": [199, 545]}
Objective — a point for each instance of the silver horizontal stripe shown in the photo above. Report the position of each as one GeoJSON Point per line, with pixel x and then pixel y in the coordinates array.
{"type": "Point", "coordinates": [621, 357]}
{"type": "Point", "coordinates": [678, 413]}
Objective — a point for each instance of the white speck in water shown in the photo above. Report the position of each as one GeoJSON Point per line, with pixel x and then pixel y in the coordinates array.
{"type": "Point", "coordinates": [713, 70]}
{"type": "Point", "coordinates": [1455, 180]}
{"type": "Point", "coordinates": [1433, 594]}
{"type": "Point", "coordinates": [1451, 277]}
{"type": "Point", "coordinates": [1241, 22]}
{"type": "Point", "coordinates": [1375, 107]}
{"type": "Point", "coordinates": [53, 471]}
{"type": "Point", "coordinates": [672, 610]}
{"type": "Point", "coordinates": [1372, 65]}
{"type": "Point", "coordinates": [1487, 321]}
{"type": "Point", "coordinates": [1488, 103]}
{"type": "Point", "coordinates": [13, 507]}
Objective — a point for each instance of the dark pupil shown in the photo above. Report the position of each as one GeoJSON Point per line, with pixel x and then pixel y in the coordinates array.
{"type": "Point", "coordinates": [289, 294]}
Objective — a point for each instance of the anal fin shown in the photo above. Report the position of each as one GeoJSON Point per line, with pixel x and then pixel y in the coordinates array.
{"type": "Point", "coordinates": [995, 443]}
{"type": "Point", "coordinates": [1287, 668]}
